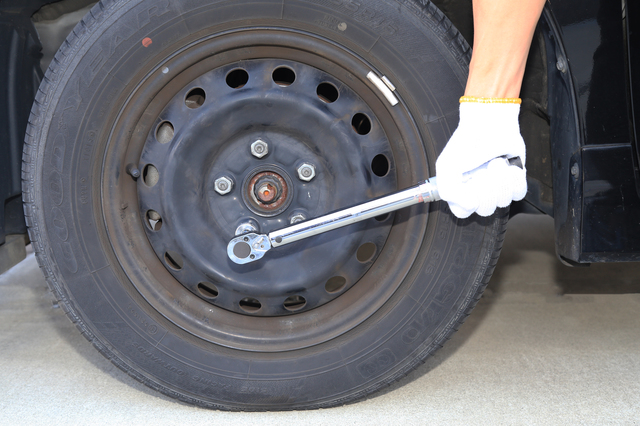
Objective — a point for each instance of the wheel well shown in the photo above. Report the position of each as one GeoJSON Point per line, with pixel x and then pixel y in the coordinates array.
{"type": "Point", "coordinates": [460, 13]}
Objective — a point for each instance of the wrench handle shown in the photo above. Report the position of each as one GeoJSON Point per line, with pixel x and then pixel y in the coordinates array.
{"type": "Point", "coordinates": [423, 193]}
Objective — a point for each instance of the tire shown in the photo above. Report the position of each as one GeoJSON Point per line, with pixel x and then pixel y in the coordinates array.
{"type": "Point", "coordinates": [177, 92]}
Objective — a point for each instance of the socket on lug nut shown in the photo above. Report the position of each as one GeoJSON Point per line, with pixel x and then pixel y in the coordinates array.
{"type": "Point", "coordinates": [306, 172]}
{"type": "Point", "coordinates": [245, 228]}
{"type": "Point", "coordinates": [297, 218]}
{"type": "Point", "coordinates": [224, 185]}
{"type": "Point", "coordinates": [259, 148]}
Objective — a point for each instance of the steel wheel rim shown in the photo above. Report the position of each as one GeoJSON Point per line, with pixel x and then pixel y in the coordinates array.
{"type": "Point", "coordinates": [354, 305]}
{"type": "Point", "coordinates": [296, 128]}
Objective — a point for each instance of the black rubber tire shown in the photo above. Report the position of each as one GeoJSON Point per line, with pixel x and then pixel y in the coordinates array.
{"type": "Point", "coordinates": [93, 76]}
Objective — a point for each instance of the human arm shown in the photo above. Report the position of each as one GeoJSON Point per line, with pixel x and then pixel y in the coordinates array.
{"type": "Point", "coordinates": [471, 176]}
{"type": "Point", "coordinates": [502, 38]}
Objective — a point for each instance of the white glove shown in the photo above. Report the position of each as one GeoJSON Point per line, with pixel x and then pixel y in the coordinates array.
{"type": "Point", "coordinates": [472, 172]}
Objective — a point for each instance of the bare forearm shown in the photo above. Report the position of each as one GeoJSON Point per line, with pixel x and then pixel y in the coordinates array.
{"type": "Point", "coordinates": [503, 33]}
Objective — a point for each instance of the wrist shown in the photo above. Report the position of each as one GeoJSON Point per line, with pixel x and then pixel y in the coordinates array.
{"type": "Point", "coordinates": [498, 117]}
{"type": "Point", "coordinates": [485, 100]}
{"type": "Point", "coordinates": [495, 76]}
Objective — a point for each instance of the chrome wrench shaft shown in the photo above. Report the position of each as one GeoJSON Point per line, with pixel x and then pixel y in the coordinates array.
{"type": "Point", "coordinates": [252, 246]}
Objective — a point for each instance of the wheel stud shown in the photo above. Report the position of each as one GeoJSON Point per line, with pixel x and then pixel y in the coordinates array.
{"type": "Point", "coordinates": [306, 172]}
{"type": "Point", "coordinates": [133, 171]}
{"type": "Point", "coordinates": [224, 185]}
{"type": "Point", "coordinates": [259, 148]}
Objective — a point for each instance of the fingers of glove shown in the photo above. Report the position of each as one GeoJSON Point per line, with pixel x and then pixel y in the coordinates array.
{"type": "Point", "coordinates": [465, 202]}
{"type": "Point", "coordinates": [469, 194]}
{"type": "Point", "coordinates": [518, 177]}
{"type": "Point", "coordinates": [458, 190]}
{"type": "Point", "coordinates": [500, 185]}
{"type": "Point", "coordinates": [498, 182]}
{"type": "Point", "coordinates": [462, 197]}
{"type": "Point", "coordinates": [486, 185]}
{"type": "Point", "coordinates": [459, 211]}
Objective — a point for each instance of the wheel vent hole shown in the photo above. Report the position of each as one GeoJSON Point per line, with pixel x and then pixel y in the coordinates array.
{"type": "Point", "coordinates": [335, 284]}
{"type": "Point", "coordinates": [236, 79]}
{"type": "Point", "coordinates": [208, 290]}
{"type": "Point", "coordinates": [366, 252]}
{"type": "Point", "coordinates": [250, 305]}
{"type": "Point", "coordinates": [284, 76]}
{"type": "Point", "coordinates": [150, 175]}
{"type": "Point", "coordinates": [195, 98]}
{"type": "Point", "coordinates": [327, 92]}
{"type": "Point", "coordinates": [383, 217]}
{"type": "Point", "coordinates": [380, 165]}
{"type": "Point", "coordinates": [294, 303]}
{"type": "Point", "coordinates": [361, 124]}
{"type": "Point", "coordinates": [174, 260]}
{"type": "Point", "coordinates": [154, 220]}
{"type": "Point", "coordinates": [165, 132]}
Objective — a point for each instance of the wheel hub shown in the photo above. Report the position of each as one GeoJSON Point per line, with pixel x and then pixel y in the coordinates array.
{"type": "Point", "coordinates": [266, 191]}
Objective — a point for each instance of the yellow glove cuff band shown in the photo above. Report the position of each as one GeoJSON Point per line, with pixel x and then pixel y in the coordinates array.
{"type": "Point", "coordinates": [473, 99]}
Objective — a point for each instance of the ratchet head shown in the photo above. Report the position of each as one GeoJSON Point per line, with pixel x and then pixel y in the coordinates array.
{"type": "Point", "coordinates": [248, 248]}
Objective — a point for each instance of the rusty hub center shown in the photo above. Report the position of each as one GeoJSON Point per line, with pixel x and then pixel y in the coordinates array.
{"type": "Point", "coordinates": [268, 190]}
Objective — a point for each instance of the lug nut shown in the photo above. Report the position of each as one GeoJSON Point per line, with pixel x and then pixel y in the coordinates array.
{"type": "Point", "coordinates": [297, 218]}
{"type": "Point", "coordinates": [259, 148]}
{"type": "Point", "coordinates": [306, 172]}
{"type": "Point", "coordinates": [224, 185]}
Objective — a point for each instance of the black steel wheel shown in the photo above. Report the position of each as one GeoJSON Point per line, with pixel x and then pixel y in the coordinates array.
{"type": "Point", "coordinates": [163, 130]}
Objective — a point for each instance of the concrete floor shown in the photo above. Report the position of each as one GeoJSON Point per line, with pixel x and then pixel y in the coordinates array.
{"type": "Point", "coordinates": [547, 344]}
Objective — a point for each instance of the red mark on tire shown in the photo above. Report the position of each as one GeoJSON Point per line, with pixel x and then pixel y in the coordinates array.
{"type": "Point", "coordinates": [146, 42]}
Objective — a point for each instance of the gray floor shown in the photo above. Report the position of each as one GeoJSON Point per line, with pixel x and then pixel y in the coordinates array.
{"type": "Point", "coordinates": [546, 345]}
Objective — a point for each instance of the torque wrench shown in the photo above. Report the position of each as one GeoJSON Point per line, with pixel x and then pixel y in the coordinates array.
{"type": "Point", "coordinates": [252, 246]}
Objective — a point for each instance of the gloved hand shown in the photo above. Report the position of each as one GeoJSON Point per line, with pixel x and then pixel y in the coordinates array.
{"type": "Point", "coordinates": [473, 173]}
